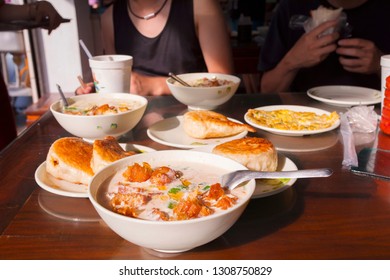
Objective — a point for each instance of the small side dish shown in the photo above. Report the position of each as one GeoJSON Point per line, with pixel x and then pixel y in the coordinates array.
{"type": "Point", "coordinates": [292, 120]}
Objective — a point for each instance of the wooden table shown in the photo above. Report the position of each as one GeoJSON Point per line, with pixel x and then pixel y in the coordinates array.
{"type": "Point", "coordinates": [344, 216]}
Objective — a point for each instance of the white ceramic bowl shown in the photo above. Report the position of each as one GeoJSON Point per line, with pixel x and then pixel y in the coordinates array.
{"type": "Point", "coordinates": [99, 126]}
{"type": "Point", "coordinates": [203, 98]}
{"type": "Point", "coordinates": [170, 236]}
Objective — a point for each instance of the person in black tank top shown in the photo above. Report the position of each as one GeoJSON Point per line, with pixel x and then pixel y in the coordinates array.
{"type": "Point", "coordinates": [166, 52]}
{"type": "Point", "coordinates": [192, 37]}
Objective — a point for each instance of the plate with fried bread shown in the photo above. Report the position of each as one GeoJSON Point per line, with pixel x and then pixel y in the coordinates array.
{"type": "Point", "coordinates": [292, 120]}
{"type": "Point", "coordinates": [197, 128]}
{"type": "Point", "coordinates": [71, 162]}
{"type": "Point", "coordinates": [258, 154]}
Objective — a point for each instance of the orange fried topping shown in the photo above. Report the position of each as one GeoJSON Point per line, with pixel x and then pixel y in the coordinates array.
{"type": "Point", "coordinates": [138, 173]}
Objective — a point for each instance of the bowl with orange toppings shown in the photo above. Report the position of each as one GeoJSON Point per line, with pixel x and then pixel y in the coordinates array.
{"type": "Point", "coordinates": [169, 201]}
{"type": "Point", "coordinates": [95, 116]}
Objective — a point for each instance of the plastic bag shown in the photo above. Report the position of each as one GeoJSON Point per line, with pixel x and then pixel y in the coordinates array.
{"type": "Point", "coordinates": [362, 119]}
{"type": "Point", "coordinates": [359, 119]}
{"type": "Point", "coordinates": [299, 22]}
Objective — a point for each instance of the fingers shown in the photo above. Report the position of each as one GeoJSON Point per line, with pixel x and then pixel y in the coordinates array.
{"type": "Point", "coordinates": [87, 88]}
{"type": "Point", "coordinates": [359, 55]}
{"type": "Point", "coordinates": [321, 36]}
{"type": "Point", "coordinates": [356, 48]}
{"type": "Point", "coordinates": [324, 28]}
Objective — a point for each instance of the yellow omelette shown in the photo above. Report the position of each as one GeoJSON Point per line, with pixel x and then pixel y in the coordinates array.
{"type": "Point", "coordinates": [292, 120]}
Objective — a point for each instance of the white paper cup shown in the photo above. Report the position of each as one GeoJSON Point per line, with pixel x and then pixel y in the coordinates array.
{"type": "Point", "coordinates": [111, 73]}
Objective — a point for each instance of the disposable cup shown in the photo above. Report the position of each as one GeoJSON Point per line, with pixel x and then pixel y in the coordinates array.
{"type": "Point", "coordinates": [111, 73]}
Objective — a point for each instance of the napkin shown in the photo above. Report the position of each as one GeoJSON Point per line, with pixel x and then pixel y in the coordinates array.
{"type": "Point", "coordinates": [357, 120]}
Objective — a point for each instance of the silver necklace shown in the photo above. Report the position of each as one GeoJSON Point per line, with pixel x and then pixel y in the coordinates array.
{"type": "Point", "coordinates": [148, 16]}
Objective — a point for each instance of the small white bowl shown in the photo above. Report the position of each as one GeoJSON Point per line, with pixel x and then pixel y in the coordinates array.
{"type": "Point", "coordinates": [100, 126]}
{"type": "Point", "coordinates": [170, 236]}
{"type": "Point", "coordinates": [203, 98]}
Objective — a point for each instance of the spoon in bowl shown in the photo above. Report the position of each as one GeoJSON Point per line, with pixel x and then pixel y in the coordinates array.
{"type": "Point", "coordinates": [66, 103]}
{"type": "Point", "coordinates": [177, 79]}
{"type": "Point", "coordinates": [233, 179]}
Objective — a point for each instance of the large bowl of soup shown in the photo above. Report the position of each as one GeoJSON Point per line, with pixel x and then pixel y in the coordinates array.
{"type": "Point", "coordinates": [95, 116]}
{"type": "Point", "coordinates": [169, 201]}
{"type": "Point", "coordinates": [207, 91]}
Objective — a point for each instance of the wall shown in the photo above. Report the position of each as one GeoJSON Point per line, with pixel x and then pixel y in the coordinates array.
{"type": "Point", "coordinates": [59, 56]}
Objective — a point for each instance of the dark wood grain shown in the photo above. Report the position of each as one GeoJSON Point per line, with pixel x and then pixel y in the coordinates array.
{"type": "Point", "coordinates": [341, 217]}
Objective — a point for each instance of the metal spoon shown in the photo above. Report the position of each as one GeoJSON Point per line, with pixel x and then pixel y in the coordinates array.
{"type": "Point", "coordinates": [177, 79]}
{"type": "Point", "coordinates": [66, 104]}
{"type": "Point", "coordinates": [233, 179]}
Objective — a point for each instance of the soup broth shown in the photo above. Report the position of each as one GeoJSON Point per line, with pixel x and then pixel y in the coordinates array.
{"type": "Point", "coordinates": [192, 192]}
{"type": "Point", "coordinates": [100, 106]}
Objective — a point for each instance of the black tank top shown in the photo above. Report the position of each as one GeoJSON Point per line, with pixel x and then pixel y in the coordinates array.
{"type": "Point", "coordinates": [176, 49]}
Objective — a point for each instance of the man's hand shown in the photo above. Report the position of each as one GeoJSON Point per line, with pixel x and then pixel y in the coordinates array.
{"type": "Point", "coordinates": [359, 56]}
{"type": "Point", "coordinates": [313, 47]}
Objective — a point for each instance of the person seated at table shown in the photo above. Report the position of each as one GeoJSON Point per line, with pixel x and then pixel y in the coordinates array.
{"type": "Point", "coordinates": [292, 60]}
{"type": "Point", "coordinates": [41, 13]}
{"type": "Point", "coordinates": [178, 36]}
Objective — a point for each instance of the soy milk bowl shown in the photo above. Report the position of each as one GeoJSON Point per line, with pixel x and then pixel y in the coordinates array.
{"type": "Point", "coordinates": [203, 97]}
{"type": "Point", "coordinates": [169, 236]}
{"type": "Point", "coordinates": [99, 126]}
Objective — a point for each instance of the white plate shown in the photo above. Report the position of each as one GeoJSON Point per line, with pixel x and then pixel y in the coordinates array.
{"type": "Point", "coordinates": [267, 187]}
{"type": "Point", "coordinates": [345, 96]}
{"type": "Point", "coordinates": [60, 187]}
{"type": "Point", "coordinates": [310, 143]}
{"type": "Point", "coordinates": [170, 132]}
{"type": "Point", "coordinates": [292, 132]}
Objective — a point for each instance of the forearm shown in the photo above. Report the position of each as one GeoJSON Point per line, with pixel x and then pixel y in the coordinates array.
{"type": "Point", "coordinates": [148, 85]}
{"type": "Point", "coordinates": [278, 79]}
{"type": "Point", "coordinates": [158, 86]}
{"type": "Point", "coordinates": [10, 12]}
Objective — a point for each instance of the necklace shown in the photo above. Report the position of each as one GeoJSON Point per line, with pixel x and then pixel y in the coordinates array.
{"type": "Point", "coordinates": [148, 16]}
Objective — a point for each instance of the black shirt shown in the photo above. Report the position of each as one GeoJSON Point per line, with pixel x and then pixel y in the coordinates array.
{"type": "Point", "coordinates": [369, 21]}
{"type": "Point", "coordinates": [176, 49]}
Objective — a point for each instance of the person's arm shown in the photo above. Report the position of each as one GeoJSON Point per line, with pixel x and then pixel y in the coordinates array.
{"type": "Point", "coordinates": [213, 36]}
{"type": "Point", "coordinates": [308, 51]}
{"type": "Point", "coordinates": [42, 13]}
{"type": "Point", "coordinates": [10, 12]}
{"type": "Point", "coordinates": [359, 56]}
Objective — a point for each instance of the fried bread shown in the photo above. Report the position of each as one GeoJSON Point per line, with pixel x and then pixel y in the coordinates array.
{"type": "Point", "coordinates": [107, 151]}
{"type": "Point", "coordinates": [255, 153]}
{"type": "Point", "coordinates": [69, 159]}
{"type": "Point", "coordinates": [209, 124]}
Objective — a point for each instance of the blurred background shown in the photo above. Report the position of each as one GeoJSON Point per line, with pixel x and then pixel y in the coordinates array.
{"type": "Point", "coordinates": [32, 62]}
